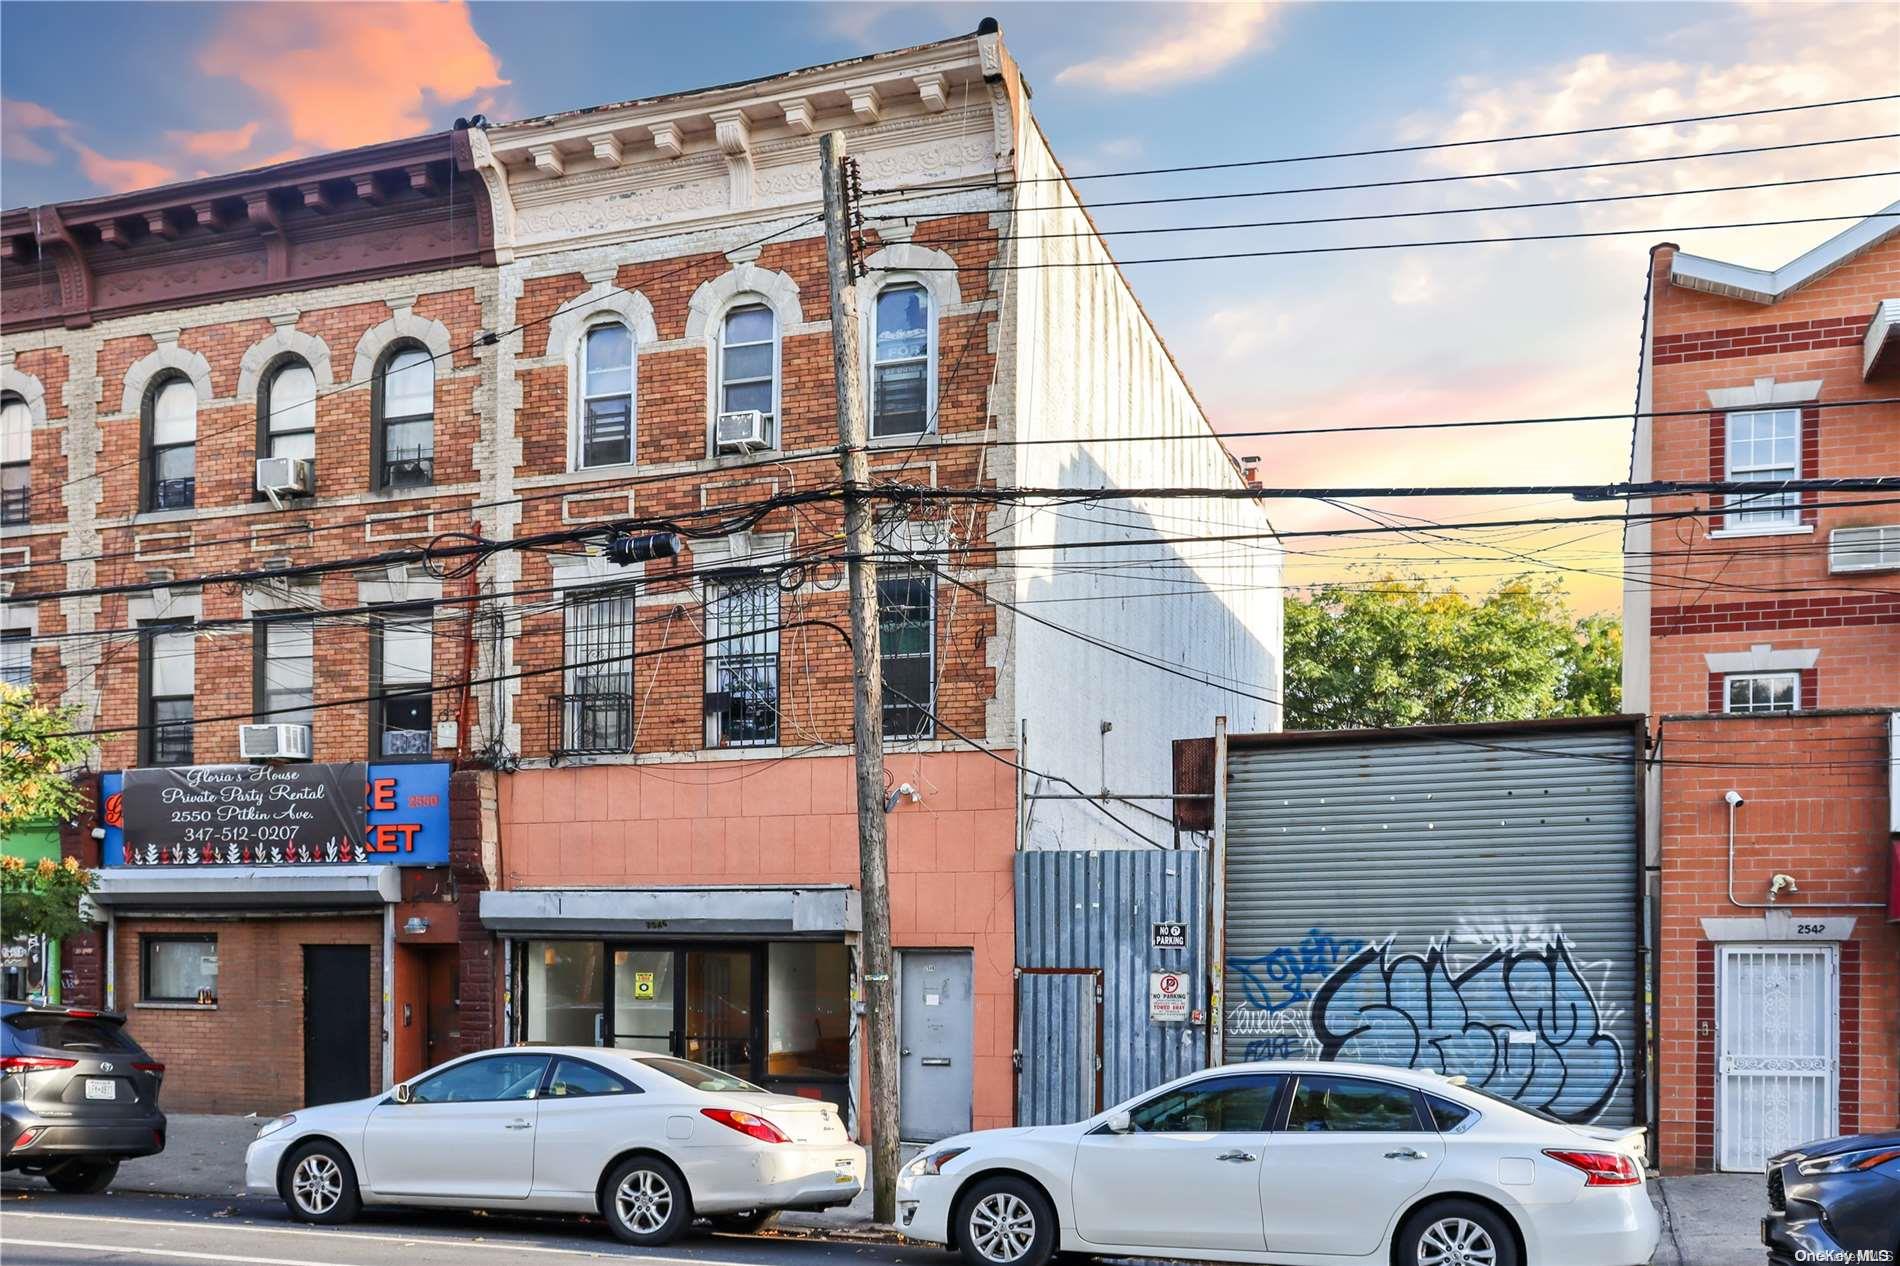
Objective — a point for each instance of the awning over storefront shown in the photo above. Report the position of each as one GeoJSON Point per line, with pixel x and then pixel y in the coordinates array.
{"type": "Point", "coordinates": [246, 887]}
{"type": "Point", "coordinates": [827, 910]}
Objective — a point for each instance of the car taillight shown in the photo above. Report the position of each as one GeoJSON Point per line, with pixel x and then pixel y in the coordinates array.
{"type": "Point", "coordinates": [26, 1136]}
{"type": "Point", "coordinates": [150, 1066]}
{"type": "Point", "coordinates": [1601, 1169]}
{"type": "Point", "coordinates": [32, 1064]}
{"type": "Point", "coordinates": [744, 1122]}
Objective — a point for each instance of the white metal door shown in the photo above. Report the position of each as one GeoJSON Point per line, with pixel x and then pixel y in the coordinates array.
{"type": "Point", "coordinates": [1778, 1039]}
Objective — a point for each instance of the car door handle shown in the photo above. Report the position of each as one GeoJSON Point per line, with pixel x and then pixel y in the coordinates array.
{"type": "Point", "coordinates": [1238, 1158]}
{"type": "Point", "coordinates": [1405, 1153]}
{"type": "Point", "coordinates": [516, 1125]}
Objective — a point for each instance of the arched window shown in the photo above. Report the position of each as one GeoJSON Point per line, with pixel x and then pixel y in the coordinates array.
{"type": "Point", "coordinates": [405, 400]}
{"type": "Point", "coordinates": [16, 461]}
{"type": "Point", "coordinates": [287, 412]}
{"type": "Point", "coordinates": [605, 436]}
{"type": "Point", "coordinates": [171, 438]}
{"type": "Point", "coordinates": [903, 344]}
{"type": "Point", "coordinates": [748, 365]}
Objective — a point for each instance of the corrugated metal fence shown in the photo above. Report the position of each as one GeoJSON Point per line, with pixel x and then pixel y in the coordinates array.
{"type": "Point", "coordinates": [1466, 906]}
{"type": "Point", "coordinates": [1084, 955]}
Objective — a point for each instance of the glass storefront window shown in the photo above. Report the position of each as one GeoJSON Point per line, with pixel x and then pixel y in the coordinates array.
{"type": "Point", "coordinates": [643, 1000]}
{"type": "Point", "coordinates": [719, 1009]}
{"type": "Point", "coordinates": [808, 1010]}
{"type": "Point", "coordinates": [563, 1003]}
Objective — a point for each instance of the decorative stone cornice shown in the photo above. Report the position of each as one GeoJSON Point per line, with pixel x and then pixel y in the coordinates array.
{"type": "Point", "coordinates": [669, 139]}
{"type": "Point", "coordinates": [732, 132]}
{"type": "Point", "coordinates": [932, 91]}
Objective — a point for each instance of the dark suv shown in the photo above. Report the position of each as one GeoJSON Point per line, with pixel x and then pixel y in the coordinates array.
{"type": "Point", "coordinates": [77, 1095]}
{"type": "Point", "coordinates": [1835, 1200]}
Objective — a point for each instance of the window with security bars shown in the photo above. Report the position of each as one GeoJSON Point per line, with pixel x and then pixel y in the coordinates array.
{"type": "Point", "coordinates": [742, 664]}
{"type": "Point", "coordinates": [1763, 692]}
{"type": "Point", "coordinates": [16, 658]}
{"type": "Point", "coordinates": [167, 663]}
{"type": "Point", "coordinates": [907, 641]}
{"type": "Point", "coordinates": [1764, 447]}
{"type": "Point", "coordinates": [606, 418]}
{"type": "Point", "coordinates": [401, 679]}
{"type": "Point", "coordinates": [286, 685]}
{"type": "Point", "coordinates": [596, 712]}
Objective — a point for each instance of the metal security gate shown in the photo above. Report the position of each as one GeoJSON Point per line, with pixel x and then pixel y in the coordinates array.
{"type": "Point", "coordinates": [1463, 899]}
{"type": "Point", "coordinates": [1778, 1011]}
{"type": "Point", "coordinates": [1095, 911]}
{"type": "Point", "coordinates": [1059, 1029]}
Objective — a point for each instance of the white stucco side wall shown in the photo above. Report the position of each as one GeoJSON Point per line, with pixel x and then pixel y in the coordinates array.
{"type": "Point", "coordinates": [1197, 626]}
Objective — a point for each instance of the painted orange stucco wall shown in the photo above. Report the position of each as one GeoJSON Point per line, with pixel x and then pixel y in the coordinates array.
{"type": "Point", "coordinates": [793, 820]}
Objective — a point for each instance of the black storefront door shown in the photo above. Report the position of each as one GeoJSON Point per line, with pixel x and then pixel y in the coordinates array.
{"type": "Point", "coordinates": [705, 1005]}
{"type": "Point", "coordinates": [335, 1023]}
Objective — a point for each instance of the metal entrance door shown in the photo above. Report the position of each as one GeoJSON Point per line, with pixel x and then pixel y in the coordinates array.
{"type": "Point", "coordinates": [335, 1023]}
{"type": "Point", "coordinates": [1778, 1035]}
{"type": "Point", "coordinates": [1058, 1044]}
{"type": "Point", "coordinates": [936, 1047]}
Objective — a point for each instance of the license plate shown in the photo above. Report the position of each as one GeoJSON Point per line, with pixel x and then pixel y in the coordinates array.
{"type": "Point", "coordinates": [101, 1088]}
{"type": "Point", "coordinates": [843, 1172]}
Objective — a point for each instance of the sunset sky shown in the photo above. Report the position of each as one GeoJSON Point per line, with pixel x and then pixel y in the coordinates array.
{"type": "Point", "coordinates": [1424, 334]}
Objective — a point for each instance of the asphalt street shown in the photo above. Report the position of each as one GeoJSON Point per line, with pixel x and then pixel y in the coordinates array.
{"type": "Point", "coordinates": [39, 1227]}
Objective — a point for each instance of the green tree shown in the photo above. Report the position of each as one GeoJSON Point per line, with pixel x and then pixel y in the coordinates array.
{"type": "Point", "coordinates": [37, 749]}
{"type": "Point", "coordinates": [42, 899]}
{"type": "Point", "coordinates": [1395, 653]}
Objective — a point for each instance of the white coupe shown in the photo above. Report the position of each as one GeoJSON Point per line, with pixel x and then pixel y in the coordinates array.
{"type": "Point", "coordinates": [1300, 1163]}
{"type": "Point", "coordinates": [648, 1142]}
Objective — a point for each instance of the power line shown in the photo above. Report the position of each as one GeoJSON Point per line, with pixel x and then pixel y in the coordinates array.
{"type": "Point", "coordinates": [1405, 182]}
{"type": "Point", "coordinates": [1424, 147]}
{"type": "Point", "coordinates": [1394, 246]}
{"type": "Point", "coordinates": [1403, 215]}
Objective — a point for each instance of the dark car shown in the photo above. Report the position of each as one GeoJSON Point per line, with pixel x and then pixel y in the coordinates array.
{"type": "Point", "coordinates": [1835, 1200]}
{"type": "Point", "coordinates": [77, 1095]}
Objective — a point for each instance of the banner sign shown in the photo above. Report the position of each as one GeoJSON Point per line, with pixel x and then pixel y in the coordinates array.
{"type": "Point", "coordinates": [276, 815]}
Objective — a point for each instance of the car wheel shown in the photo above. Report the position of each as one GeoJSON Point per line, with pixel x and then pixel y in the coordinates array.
{"type": "Point", "coordinates": [319, 1185]}
{"type": "Point", "coordinates": [747, 1223]}
{"type": "Point", "coordinates": [1006, 1222]}
{"type": "Point", "coordinates": [645, 1201]}
{"type": "Point", "coordinates": [83, 1178]}
{"type": "Point", "coordinates": [1456, 1233]}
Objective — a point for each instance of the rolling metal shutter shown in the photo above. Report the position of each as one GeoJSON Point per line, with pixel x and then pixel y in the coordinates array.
{"type": "Point", "coordinates": [1464, 905]}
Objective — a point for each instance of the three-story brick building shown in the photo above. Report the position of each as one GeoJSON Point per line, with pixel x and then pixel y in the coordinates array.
{"type": "Point", "coordinates": [1763, 637]}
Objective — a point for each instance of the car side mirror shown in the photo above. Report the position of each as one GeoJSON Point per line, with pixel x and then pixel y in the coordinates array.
{"type": "Point", "coordinates": [404, 1094]}
{"type": "Point", "coordinates": [1118, 1123]}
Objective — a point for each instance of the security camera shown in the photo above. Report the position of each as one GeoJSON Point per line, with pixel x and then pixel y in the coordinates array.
{"type": "Point", "coordinates": [1734, 798]}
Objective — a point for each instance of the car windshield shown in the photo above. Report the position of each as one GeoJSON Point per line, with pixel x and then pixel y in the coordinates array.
{"type": "Point", "coordinates": [1525, 1108]}
{"type": "Point", "coordinates": [700, 1077]}
{"type": "Point", "coordinates": [69, 1033]}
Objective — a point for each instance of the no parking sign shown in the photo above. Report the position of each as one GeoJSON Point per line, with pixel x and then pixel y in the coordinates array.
{"type": "Point", "coordinates": [1168, 996]}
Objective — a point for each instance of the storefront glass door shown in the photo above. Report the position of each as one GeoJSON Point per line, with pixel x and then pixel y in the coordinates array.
{"type": "Point", "coordinates": [644, 1006]}
{"type": "Point", "coordinates": [719, 1010]}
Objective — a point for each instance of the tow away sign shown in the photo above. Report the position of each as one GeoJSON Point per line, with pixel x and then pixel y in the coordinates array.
{"type": "Point", "coordinates": [1168, 996]}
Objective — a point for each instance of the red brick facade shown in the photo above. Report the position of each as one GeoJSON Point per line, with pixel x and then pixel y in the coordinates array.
{"type": "Point", "coordinates": [1728, 596]}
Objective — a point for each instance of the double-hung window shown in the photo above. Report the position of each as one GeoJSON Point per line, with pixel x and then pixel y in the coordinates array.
{"type": "Point", "coordinates": [1761, 692]}
{"type": "Point", "coordinates": [16, 658]}
{"type": "Point", "coordinates": [288, 413]}
{"type": "Point", "coordinates": [606, 421]}
{"type": "Point", "coordinates": [406, 423]}
{"type": "Point", "coordinates": [597, 710]}
{"type": "Point", "coordinates": [171, 459]}
{"type": "Point", "coordinates": [1764, 446]}
{"type": "Point", "coordinates": [748, 364]}
{"type": "Point", "coordinates": [167, 669]}
{"type": "Point", "coordinates": [901, 346]}
{"type": "Point", "coordinates": [286, 684]}
{"type": "Point", "coordinates": [907, 636]}
{"type": "Point", "coordinates": [16, 461]}
{"type": "Point", "coordinates": [742, 664]}
{"type": "Point", "coordinates": [401, 676]}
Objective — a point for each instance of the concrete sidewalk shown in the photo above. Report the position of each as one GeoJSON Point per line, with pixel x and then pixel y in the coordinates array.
{"type": "Point", "coordinates": [1711, 1219]}
{"type": "Point", "coordinates": [204, 1156]}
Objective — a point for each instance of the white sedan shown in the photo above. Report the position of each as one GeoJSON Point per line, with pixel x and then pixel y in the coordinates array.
{"type": "Point", "coordinates": [648, 1142]}
{"type": "Point", "coordinates": [1301, 1163]}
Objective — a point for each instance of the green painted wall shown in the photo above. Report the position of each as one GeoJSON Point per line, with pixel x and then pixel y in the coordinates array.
{"type": "Point", "coordinates": [30, 843]}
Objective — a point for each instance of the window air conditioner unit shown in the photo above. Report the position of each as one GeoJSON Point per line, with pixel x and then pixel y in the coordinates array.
{"type": "Point", "coordinates": [1864, 549]}
{"type": "Point", "coordinates": [274, 742]}
{"type": "Point", "coordinates": [283, 476]}
{"type": "Point", "coordinates": [741, 432]}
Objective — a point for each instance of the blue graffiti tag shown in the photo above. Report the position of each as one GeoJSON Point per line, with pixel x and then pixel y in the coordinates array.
{"type": "Point", "coordinates": [1519, 1022]}
{"type": "Point", "coordinates": [1277, 979]}
{"type": "Point", "coordinates": [1279, 1046]}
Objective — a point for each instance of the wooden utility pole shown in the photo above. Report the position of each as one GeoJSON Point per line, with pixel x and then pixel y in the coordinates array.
{"type": "Point", "coordinates": [867, 726]}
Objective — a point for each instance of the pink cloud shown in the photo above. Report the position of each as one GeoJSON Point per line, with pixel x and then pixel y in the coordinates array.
{"type": "Point", "coordinates": [227, 144]}
{"type": "Point", "coordinates": [340, 75]}
{"type": "Point", "coordinates": [18, 120]}
{"type": "Point", "coordinates": [118, 175]}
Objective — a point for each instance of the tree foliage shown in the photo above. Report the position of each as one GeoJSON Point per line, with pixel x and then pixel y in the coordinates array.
{"type": "Point", "coordinates": [36, 751]}
{"type": "Point", "coordinates": [42, 899]}
{"type": "Point", "coordinates": [1395, 653]}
